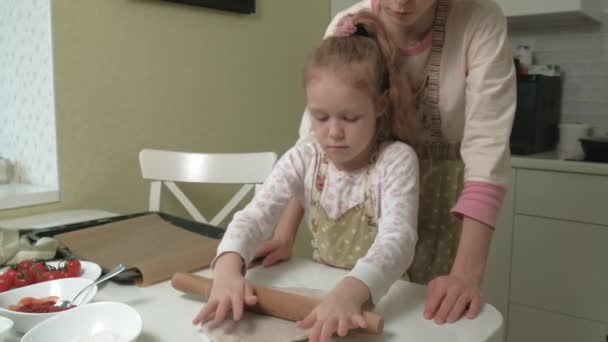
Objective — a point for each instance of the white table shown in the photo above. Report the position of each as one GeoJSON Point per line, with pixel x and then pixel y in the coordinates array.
{"type": "Point", "coordinates": [167, 313]}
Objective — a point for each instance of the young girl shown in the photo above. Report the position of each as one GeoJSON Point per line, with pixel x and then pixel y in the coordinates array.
{"type": "Point", "coordinates": [359, 188]}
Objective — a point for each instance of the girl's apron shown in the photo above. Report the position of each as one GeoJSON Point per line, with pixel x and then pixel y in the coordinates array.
{"type": "Point", "coordinates": [441, 174]}
{"type": "Point", "coordinates": [340, 242]}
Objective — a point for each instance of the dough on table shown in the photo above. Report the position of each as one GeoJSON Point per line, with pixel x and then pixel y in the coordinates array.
{"type": "Point", "coordinates": [260, 328]}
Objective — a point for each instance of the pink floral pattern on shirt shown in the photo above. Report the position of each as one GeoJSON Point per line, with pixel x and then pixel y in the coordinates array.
{"type": "Point", "coordinates": [394, 182]}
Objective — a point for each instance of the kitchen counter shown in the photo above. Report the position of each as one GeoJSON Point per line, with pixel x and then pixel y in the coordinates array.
{"type": "Point", "coordinates": [548, 161]}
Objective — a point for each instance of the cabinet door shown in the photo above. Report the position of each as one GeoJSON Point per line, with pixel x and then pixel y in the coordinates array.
{"type": "Point", "coordinates": [528, 324]}
{"type": "Point", "coordinates": [560, 266]}
{"type": "Point", "coordinates": [567, 196]}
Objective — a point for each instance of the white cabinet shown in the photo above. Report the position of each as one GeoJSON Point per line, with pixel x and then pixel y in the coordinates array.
{"type": "Point", "coordinates": [547, 268]}
{"type": "Point", "coordinates": [557, 11]}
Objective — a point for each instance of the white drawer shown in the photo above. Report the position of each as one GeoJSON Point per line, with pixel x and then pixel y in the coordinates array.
{"type": "Point", "coordinates": [560, 266]}
{"type": "Point", "coordinates": [530, 325]}
{"type": "Point", "coordinates": [570, 196]}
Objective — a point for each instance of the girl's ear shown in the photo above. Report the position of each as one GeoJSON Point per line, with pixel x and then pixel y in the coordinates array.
{"type": "Point", "coordinates": [382, 104]}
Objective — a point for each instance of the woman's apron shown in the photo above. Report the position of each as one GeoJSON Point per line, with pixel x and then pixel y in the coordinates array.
{"type": "Point", "coordinates": [441, 174]}
{"type": "Point", "coordinates": [341, 241]}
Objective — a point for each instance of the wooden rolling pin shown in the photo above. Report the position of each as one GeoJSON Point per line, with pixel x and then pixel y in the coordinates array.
{"type": "Point", "coordinates": [284, 305]}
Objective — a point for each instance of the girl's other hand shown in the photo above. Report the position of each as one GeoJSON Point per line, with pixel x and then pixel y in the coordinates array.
{"type": "Point", "coordinates": [339, 312]}
{"type": "Point", "coordinates": [230, 292]}
{"type": "Point", "coordinates": [274, 251]}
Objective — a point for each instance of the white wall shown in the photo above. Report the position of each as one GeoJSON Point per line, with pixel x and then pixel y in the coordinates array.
{"type": "Point", "coordinates": [27, 105]}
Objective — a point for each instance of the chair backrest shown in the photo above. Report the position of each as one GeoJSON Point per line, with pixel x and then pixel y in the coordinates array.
{"type": "Point", "coordinates": [169, 167]}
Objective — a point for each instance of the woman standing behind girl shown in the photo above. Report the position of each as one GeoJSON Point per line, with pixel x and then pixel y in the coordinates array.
{"type": "Point", "coordinates": [358, 187]}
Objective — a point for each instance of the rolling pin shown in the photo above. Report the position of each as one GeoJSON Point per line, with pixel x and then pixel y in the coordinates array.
{"type": "Point", "coordinates": [280, 304]}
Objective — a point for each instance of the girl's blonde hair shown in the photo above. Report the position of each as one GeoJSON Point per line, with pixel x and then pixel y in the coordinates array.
{"type": "Point", "coordinates": [368, 59]}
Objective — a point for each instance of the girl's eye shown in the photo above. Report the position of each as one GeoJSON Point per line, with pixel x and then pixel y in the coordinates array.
{"type": "Point", "coordinates": [351, 118]}
{"type": "Point", "coordinates": [321, 117]}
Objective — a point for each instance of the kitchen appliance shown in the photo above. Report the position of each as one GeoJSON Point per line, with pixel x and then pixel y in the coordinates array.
{"type": "Point", "coordinates": [596, 149]}
{"type": "Point", "coordinates": [535, 126]}
{"type": "Point", "coordinates": [569, 146]}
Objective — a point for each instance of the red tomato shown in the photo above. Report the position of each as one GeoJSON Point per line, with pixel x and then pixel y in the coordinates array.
{"type": "Point", "coordinates": [25, 265]}
{"type": "Point", "coordinates": [72, 268]}
{"type": "Point", "coordinates": [22, 279]}
{"type": "Point", "coordinates": [10, 274]}
{"type": "Point", "coordinates": [51, 275]}
{"type": "Point", "coordinates": [39, 267]}
{"type": "Point", "coordinates": [5, 283]}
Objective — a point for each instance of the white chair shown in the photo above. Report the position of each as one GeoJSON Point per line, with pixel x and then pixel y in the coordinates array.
{"type": "Point", "coordinates": [168, 167]}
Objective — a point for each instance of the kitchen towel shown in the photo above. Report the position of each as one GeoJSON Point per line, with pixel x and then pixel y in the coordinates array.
{"type": "Point", "coordinates": [569, 146]}
{"type": "Point", "coordinates": [149, 244]}
{"type": "Point", "coordinates": [15, 248]}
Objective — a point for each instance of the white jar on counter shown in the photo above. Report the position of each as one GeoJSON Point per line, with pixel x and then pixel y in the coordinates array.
{"type": "Point", "coordinates": [6, 171]}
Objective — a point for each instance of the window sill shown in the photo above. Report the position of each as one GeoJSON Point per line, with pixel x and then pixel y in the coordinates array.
{"type": "Point", "coordinates": [16, 195]}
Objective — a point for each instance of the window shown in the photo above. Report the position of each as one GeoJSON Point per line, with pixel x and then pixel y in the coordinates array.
{"type": "Point", "coordinates": [27, 103]}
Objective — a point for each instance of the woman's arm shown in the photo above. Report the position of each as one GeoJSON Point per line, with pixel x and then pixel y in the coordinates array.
{"type": "Point", "coordinates": [280, 247]}
{"type": "Point", "coordinates": [450, 297]}
{"type": "Point", "coordinates": [490, 108]}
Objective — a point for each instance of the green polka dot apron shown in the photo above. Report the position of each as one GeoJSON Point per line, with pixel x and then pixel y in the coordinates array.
{"type": "Point", "coordinates": [341, 241]}
{"type": "Point", "coordinates": [441, 174]}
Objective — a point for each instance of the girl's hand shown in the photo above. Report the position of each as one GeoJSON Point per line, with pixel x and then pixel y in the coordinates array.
{"type": "Point", "coordinates": [274, 251]}
{"type": "Point", "coordinates": [450, 297]}
{"type": "Point", "coordinates": [339, 312]}
{"type": "Point", "coordinates": [230, 291]}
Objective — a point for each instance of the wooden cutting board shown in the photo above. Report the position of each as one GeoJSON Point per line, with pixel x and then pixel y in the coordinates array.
{"type": "Point", "coordinates": [156, 248]}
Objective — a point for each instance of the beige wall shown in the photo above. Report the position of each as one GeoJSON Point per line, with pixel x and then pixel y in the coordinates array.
{"type": "Point", "coordinates": [132, 74]}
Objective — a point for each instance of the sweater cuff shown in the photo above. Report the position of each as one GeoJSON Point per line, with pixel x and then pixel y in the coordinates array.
{"type": "Point", "coordinates": [373, 278]}
{"type": "Point", "coordinates": [480, 201]}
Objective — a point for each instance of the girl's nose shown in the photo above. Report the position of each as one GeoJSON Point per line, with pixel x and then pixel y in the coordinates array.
{"type": "Point", "coordinates": [335, 131]}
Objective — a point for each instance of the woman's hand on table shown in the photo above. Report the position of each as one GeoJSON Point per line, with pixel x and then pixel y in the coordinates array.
{"type": "Point", "coordinates": [274, 251]}
{"type": "Point", "coordinates": [339, 312]}
{"type": "Point", "coordinates": [450, 297]}
{"type": "Point", "coordinates": [230, 291]}
{"type": "Point", "coordinates": [459, 293]}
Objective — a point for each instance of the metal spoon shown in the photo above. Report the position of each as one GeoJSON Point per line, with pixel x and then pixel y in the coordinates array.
{"type": "Point", "coordinates": [69, 303]}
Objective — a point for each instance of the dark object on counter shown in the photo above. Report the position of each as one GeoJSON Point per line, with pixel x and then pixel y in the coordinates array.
{"type": "Point", "coordinates": [596, 149]}
{"type": "Point", "coordinates": [537, 114]}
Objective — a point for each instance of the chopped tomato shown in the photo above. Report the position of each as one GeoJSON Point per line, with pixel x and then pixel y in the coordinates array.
{"type": "Point", "coordinates": [38, 305]}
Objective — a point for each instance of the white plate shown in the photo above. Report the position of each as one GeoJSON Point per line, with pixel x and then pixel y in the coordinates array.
{"type": "Point", "coordinates": [104, 318]}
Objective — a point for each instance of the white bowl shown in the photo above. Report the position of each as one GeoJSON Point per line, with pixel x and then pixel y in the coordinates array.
{"type": "Point", "coordinates": [65, 289]}
{"type": "Point", "coordinates": [113, 319]}
{"type": "Point", "coordinates": [5, 325]}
